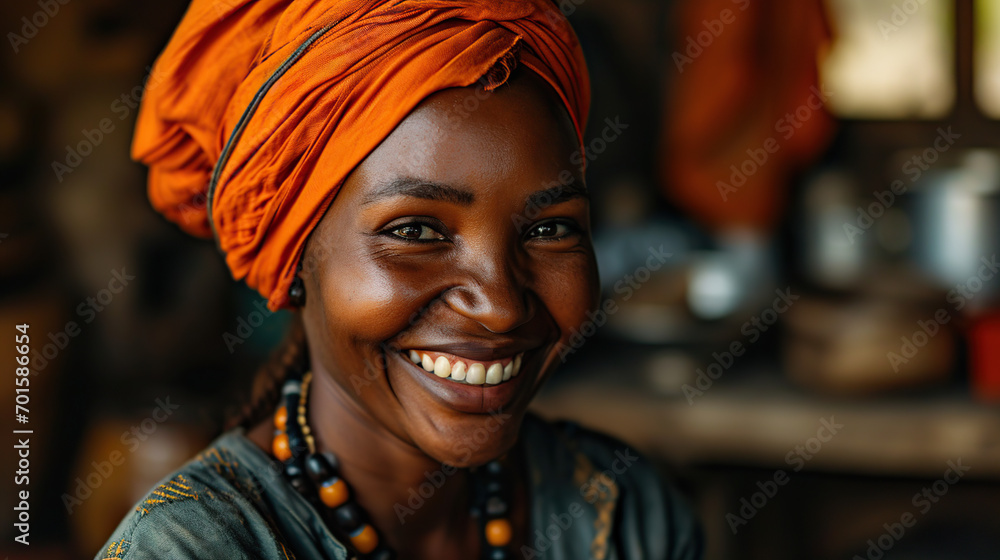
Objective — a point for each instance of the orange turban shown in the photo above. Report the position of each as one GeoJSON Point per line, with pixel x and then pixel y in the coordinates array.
{"type": "Point", "coordinates": [257, 111]}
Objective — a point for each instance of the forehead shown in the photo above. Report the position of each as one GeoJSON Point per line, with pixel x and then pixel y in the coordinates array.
{"type": "Point", "coordinates": [519, 133]}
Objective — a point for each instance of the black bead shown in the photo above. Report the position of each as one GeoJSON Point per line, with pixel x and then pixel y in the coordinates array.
{"type": "Point", "coordinates": [348, 516]}
{"type": "Point", "coordinates": [291, 404]}
{"type": "Point", "coordinates": [293, 469]}
{"type": "Point", "coordinates": [496, 507]}
{"type": "Point", "coordinates": [319, 467]}
{"type": "Point", "coordinates": [494, 487]}
{"type": "Point", "coordinates": [494, 467]}
{"type": "Point", "coordinates": [292, 386]}
{"type": "Point", "coordinates": [499, 554]}
{"type": "Point", "coordinates": [332, 460]}
{"type": "Point", "coordinates": [296, 444]}
{"type": "Point", "coordinates": [301, 486]}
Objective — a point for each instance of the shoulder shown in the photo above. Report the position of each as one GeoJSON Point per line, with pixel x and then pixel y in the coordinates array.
{"type": "Point", "coordinates": [650, 518]}
{"type": "Point", "coordinates": [209, 508]}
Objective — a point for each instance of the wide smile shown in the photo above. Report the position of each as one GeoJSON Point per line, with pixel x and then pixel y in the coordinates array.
{"type": "Point", "coordinates": [465, 370]}
{"type": "Point", "coordinates": [469, 385]}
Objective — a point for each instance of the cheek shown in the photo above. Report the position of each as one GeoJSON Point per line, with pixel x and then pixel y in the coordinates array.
{"type": "Point", "coordinates": [357, 307]}
{"type": "Point", "coordinates": [568, 291]}
{"type": "Point", "coordinates": [367, 302]}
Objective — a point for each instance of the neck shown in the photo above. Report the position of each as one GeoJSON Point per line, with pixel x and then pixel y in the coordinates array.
{"type": "Point", "coordinates": [390, 477]}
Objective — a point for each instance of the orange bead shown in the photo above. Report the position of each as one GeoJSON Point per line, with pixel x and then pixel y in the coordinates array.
{"type": "Point", "coordinates": [281, 418]}
{"type": "Point", "coordinates": [334, 492]}
{"type": "Point", "coordinates": [365, 539]}
{"type": "Point", "coordinates": [280, 447]}
{"type": "Point", "coordinates": [498, 532]}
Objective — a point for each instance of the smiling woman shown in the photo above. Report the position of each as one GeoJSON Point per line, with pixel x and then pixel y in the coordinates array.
{"type": "Point", "coordinates": [431, 286]}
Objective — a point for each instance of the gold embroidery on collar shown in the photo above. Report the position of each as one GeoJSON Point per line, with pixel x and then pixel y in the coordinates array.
{"type": "Point", "coordinates": [603, 497]}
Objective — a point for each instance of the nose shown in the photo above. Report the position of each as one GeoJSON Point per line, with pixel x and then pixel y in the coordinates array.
{"type": "Point", "coordinates": [495, 295]}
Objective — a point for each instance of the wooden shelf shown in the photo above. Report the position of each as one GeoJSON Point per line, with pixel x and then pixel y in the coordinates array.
{"type": "Point", "coordinates": [757, 420]}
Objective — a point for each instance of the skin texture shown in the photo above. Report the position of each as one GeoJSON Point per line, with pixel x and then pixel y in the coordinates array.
{"type": "Point", "coordinates": [430, 244]}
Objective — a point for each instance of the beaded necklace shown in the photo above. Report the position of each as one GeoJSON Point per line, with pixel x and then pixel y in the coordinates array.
{"type": "Point", "coordinates": [316, 477]}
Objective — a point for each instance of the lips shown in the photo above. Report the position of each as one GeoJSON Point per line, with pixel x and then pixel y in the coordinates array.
{"type": "Point", "coordinates": [494, 388]}
{"type": "Point", "coordinates": [459, 369]}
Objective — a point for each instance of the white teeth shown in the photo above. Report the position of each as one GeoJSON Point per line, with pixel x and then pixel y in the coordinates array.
{"type": "Point", "coordinates": [476, 375]}
{"type": "Point", "coordinates": [494, 375]}
{"type": "Point", "coordinates": [458, 372]}
{"type": "Point", "coordinates": [442, 367]}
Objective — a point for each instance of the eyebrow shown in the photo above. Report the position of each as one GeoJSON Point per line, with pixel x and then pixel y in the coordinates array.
{"type": "Point", "coordinates": [431, 190]}
{"type": "Point", "coordinates": [556, 195]}
{"type": "Point", "coordinates": [420, 188]}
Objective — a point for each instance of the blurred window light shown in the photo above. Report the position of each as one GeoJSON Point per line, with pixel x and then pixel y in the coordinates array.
{"type": "Point", "coordinates": [715, 289]}
{"type": "Point", "coordinates": [987, 56]}
{"type": "Point", "coordinates": [891, 59]}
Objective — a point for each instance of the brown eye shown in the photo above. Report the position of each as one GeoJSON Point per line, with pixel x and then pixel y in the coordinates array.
{"type": "Point", "coordinates": [417, 232]}
{"type": "Point", "coordinates": [550, 230]}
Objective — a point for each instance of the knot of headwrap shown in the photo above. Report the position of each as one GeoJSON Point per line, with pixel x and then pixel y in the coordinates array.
{"type": "Point", "coordinates": [260, 109]}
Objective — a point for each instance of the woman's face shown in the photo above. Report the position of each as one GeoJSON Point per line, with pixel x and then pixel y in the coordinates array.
{"type": "Point", "coordinates": [465, 237]}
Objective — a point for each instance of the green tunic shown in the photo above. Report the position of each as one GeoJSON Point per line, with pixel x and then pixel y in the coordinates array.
{"type": "Point", "coordinates": [591, 497]}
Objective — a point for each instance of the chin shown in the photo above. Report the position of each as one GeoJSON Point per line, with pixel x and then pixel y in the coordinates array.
{"type": "Point", "coordinates": [488, 437]}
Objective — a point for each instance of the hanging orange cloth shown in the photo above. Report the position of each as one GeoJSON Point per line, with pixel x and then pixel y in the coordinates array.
{"type": "Point", "coordinates": [257, 111]}
{"type": "Point", "coordinates": [747, 108]}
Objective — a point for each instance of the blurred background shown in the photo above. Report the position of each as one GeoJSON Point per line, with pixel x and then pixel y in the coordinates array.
{"type": "Point", "coordinates": [816, 363]}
